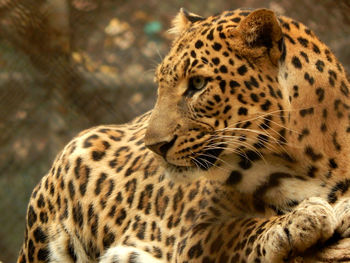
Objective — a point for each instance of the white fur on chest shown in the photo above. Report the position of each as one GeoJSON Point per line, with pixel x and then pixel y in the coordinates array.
{"type": "Point", "coordinates": [284, 189]}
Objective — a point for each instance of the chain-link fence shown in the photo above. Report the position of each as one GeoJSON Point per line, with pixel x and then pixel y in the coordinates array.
{"type": "Point", "coordinates": [68, 65]}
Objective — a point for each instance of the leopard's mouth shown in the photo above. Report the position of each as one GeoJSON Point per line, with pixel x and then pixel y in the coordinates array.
{"type": "Point", "coordinates": [203, 160]}
{"type": "Point", "coordinates": [195, 167]}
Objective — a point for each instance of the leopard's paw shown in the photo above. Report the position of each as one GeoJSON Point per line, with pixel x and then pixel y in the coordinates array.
{"type": "Point", "coordinates": [311, 222]}
{"type": "Point", "coordinates": [342, 212]}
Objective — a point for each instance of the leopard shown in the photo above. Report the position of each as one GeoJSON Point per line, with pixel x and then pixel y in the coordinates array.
{"type": "Point", "coordinates": [244, 157]}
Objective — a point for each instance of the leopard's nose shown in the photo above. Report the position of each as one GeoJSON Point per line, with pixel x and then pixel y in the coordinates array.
{"type": "Point", "coordinates": [162, 148]}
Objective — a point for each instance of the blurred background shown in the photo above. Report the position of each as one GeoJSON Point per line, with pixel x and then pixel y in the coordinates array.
{"type": "Point", "coordinates": [66, 65]}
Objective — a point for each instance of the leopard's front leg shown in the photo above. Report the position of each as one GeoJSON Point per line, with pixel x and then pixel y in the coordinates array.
{"type": "Point", "coordinates": [269, 240]}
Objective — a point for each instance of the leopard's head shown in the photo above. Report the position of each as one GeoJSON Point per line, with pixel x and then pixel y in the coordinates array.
{"type": "Point", "coordinates": [218, 91]}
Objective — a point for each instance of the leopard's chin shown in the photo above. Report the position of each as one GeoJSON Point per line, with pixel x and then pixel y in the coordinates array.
{"type": "Point", "coordinates": [180, 173]}
{"type": "Point", "coordinates": [183, 174]}
{"type": "Point", "coordinates": [189, 174]}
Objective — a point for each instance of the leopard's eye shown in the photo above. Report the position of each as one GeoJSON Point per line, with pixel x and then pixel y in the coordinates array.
{"type": "Point", "coordinates": [197, 83]}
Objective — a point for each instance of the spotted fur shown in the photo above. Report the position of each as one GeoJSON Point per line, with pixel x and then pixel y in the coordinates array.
{"type": "Point", "coordinates": [242, 159]}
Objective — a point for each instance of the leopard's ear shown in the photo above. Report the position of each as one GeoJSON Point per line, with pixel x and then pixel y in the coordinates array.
{"type": "Point", "coordinates": [261, 29]}
{"type": "Point", "coordinates": [183, 21]}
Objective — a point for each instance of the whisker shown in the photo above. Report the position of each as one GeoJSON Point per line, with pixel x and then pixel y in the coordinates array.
{"type": "Point", "coordinates": [272, 113]}
{"type": "Point", "coordinates": [269, 145]}
{"type": "Point", "coordinates": [274, 146]}
{"type": "Point", "coordinates": [213, 164]}
{"type": "Point", "coordinates": [280, 125]}
{"type": "Point", "coordinates": [234, 140]}
{"type": "Point", "coordinates": [250, 130]}
{"type": "Point", "coordinates": [194, 161]}
{"type": "Point", "coordinates": [242, 153]}
{"type": "Point", "coordinates": [158, 52]}
{"type": "Point", "coordinates": [206, 161]}
{"type": "Point", "coordinates": [202, 161]}
{"type": "Point", "coordinates": [260, 115]}
{"type": "Point", "coordinates": [281, 146]}
{"type": "Point", "coordinates": [152, 70]}
{"type": "Point", "coordinates": [212, 156]}
{"type": "Point", "coordinates": [237, 151]}
{"type": "Point", "coordinates": [277, 133]}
